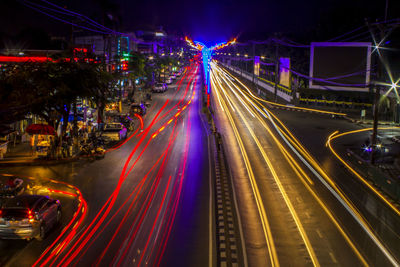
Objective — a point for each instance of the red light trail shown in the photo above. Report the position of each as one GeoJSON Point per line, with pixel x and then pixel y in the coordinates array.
{"type": "Point", "coordinates": [61, 256]}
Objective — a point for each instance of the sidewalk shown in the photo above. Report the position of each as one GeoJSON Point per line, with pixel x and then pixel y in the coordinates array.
{"type": "Point", "coordinates": [20, 155]}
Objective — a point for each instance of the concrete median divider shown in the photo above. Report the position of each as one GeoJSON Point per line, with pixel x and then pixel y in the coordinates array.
{"type": "Point", "coordinates": [230, 250]}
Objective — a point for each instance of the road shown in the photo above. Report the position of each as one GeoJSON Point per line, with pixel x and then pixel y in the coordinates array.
{"type": "Point", "coordinates": [287, 192]}
{"type": "Point", "coordinates": [147, 201]}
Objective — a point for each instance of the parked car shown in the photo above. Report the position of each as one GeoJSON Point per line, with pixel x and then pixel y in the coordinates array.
{"type": "Point", "coordinates": [114, 132]}
{"type": "Point", "coordinates": [29, 216]}
{"type": "Point", "coordinates": [160, 88]}
{"type": "Point", "coordinates": [173, 77]}
{"type": "Point", "coordinates": [168, 81]}
{"type": "Point", "coordinates": [138, 109]}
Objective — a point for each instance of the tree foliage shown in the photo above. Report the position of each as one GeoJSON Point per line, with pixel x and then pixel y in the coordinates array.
{"type": "Point", "coordinates": [48, 89]}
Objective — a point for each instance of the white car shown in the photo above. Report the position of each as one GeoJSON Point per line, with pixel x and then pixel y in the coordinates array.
{"type": "Point", "coordinates": [114, 132]}
{"type": "Point", "coordinates": [160, 88]}
{"type": "Point", "coordinates": [168, 81]}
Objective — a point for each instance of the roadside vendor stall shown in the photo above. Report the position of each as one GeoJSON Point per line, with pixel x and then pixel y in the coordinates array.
{"type": "Point", "coordinates": [43, 133]}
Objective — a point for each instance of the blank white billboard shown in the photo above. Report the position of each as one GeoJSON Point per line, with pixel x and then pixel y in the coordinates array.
{"type": "Point", "coordinates": [340, 66]}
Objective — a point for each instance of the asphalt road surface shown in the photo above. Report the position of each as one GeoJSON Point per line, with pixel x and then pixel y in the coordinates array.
{"type": "Point", "coordinates": [147, 201]}
{"type": "Point", "coordinates": [293, 209]}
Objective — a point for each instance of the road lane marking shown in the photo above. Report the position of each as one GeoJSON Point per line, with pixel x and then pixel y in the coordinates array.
{"type": "Point", "coordinates": [319, 233]}
{"type": "Point", "coordinates": [283, 135]}
{"type": "Point", "coordinates": [289, 204]}
{"type": "Point", "coordinates": [260, 206]}
{"type": "Point", "coordinates": [333, 257]}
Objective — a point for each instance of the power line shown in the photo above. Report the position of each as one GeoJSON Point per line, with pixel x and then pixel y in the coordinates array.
{"type": "Point", "coordinates": [80, 15]}
{"type": "Point", "coordinates": [347, 33]}
{"type": "Point", "coordinates": [39, 8]}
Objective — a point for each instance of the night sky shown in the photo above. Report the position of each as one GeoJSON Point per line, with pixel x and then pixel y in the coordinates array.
{"type": "Point", "coordinates": [211, 21]}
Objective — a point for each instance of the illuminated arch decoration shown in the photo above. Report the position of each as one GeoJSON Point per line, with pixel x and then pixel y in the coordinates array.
{"type": "Point", "coordinates": [207, 55]}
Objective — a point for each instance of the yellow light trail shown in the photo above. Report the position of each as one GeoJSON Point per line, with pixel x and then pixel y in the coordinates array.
{"type": "Point", "coordinates": [260, 206]}
{"type": "Point", "coordinates": [292, 160]}
{"type": "Point", "coordinates": [280, 145]}
{"type": "Point", "coordinates": [288, 203]}
{"type": "Point", "coordinates": [359, 176]}
{"type": "Point", "coordinates": [281, 105]}
{"type": "Point", "coordinates": [212, 77]}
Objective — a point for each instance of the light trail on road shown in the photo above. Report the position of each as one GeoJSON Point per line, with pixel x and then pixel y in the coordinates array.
{"type": "Point", "coordinates": [60, 256]}
{"type": "Point", "coordinates": [257, 107]}
{"type": "Point", "coordinates": [298, 148]}
{"type": "Point", "coordinates": [260, 206]}
{"type": "Point", "coordinates": [340, 195]}
{"type": "Point", "coordinates": [335, 135]}
{"type": "Point", "coordinates": [278, 182]}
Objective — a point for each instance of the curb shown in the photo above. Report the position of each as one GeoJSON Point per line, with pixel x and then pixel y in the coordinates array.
{"type": "Point", "coordinates": [37, 162]}
{"type": "Point", "coordinates": [300, 109]}
{"type": "Point", "coordinates": [368, 123]}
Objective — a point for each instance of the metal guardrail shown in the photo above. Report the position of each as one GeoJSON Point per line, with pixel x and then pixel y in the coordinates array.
{"type": "Point", "coordinates": [262, 83]}
{"type": "Point", "coordinates": [284, 88]}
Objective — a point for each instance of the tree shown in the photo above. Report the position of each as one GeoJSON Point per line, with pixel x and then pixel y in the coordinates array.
{"type": "Point", "coordinates": [50, 89]}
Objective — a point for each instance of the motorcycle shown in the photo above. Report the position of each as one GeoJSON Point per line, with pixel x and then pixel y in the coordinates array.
{"type": "Point", "coordinates": [9, 191]}
{"type": "Point", "coordinates": [91, 149]}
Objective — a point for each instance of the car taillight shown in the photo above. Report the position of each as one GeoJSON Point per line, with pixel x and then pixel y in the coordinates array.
{"type": "Point", "coordinates": [30, 216]}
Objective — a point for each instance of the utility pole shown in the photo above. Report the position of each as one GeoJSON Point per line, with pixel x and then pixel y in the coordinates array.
{"type": "Point", "coordinates": [377, 93]}
{"type": "Point", "coordinates": [254, 61]}
{"type": "Point", "coordinates": [276, 71]}
{"type": "Point", "coordinates": [386, 9]}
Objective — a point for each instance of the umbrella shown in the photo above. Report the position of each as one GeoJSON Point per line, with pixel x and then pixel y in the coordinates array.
{"type": "Point", "coordinates": [40, 129]}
